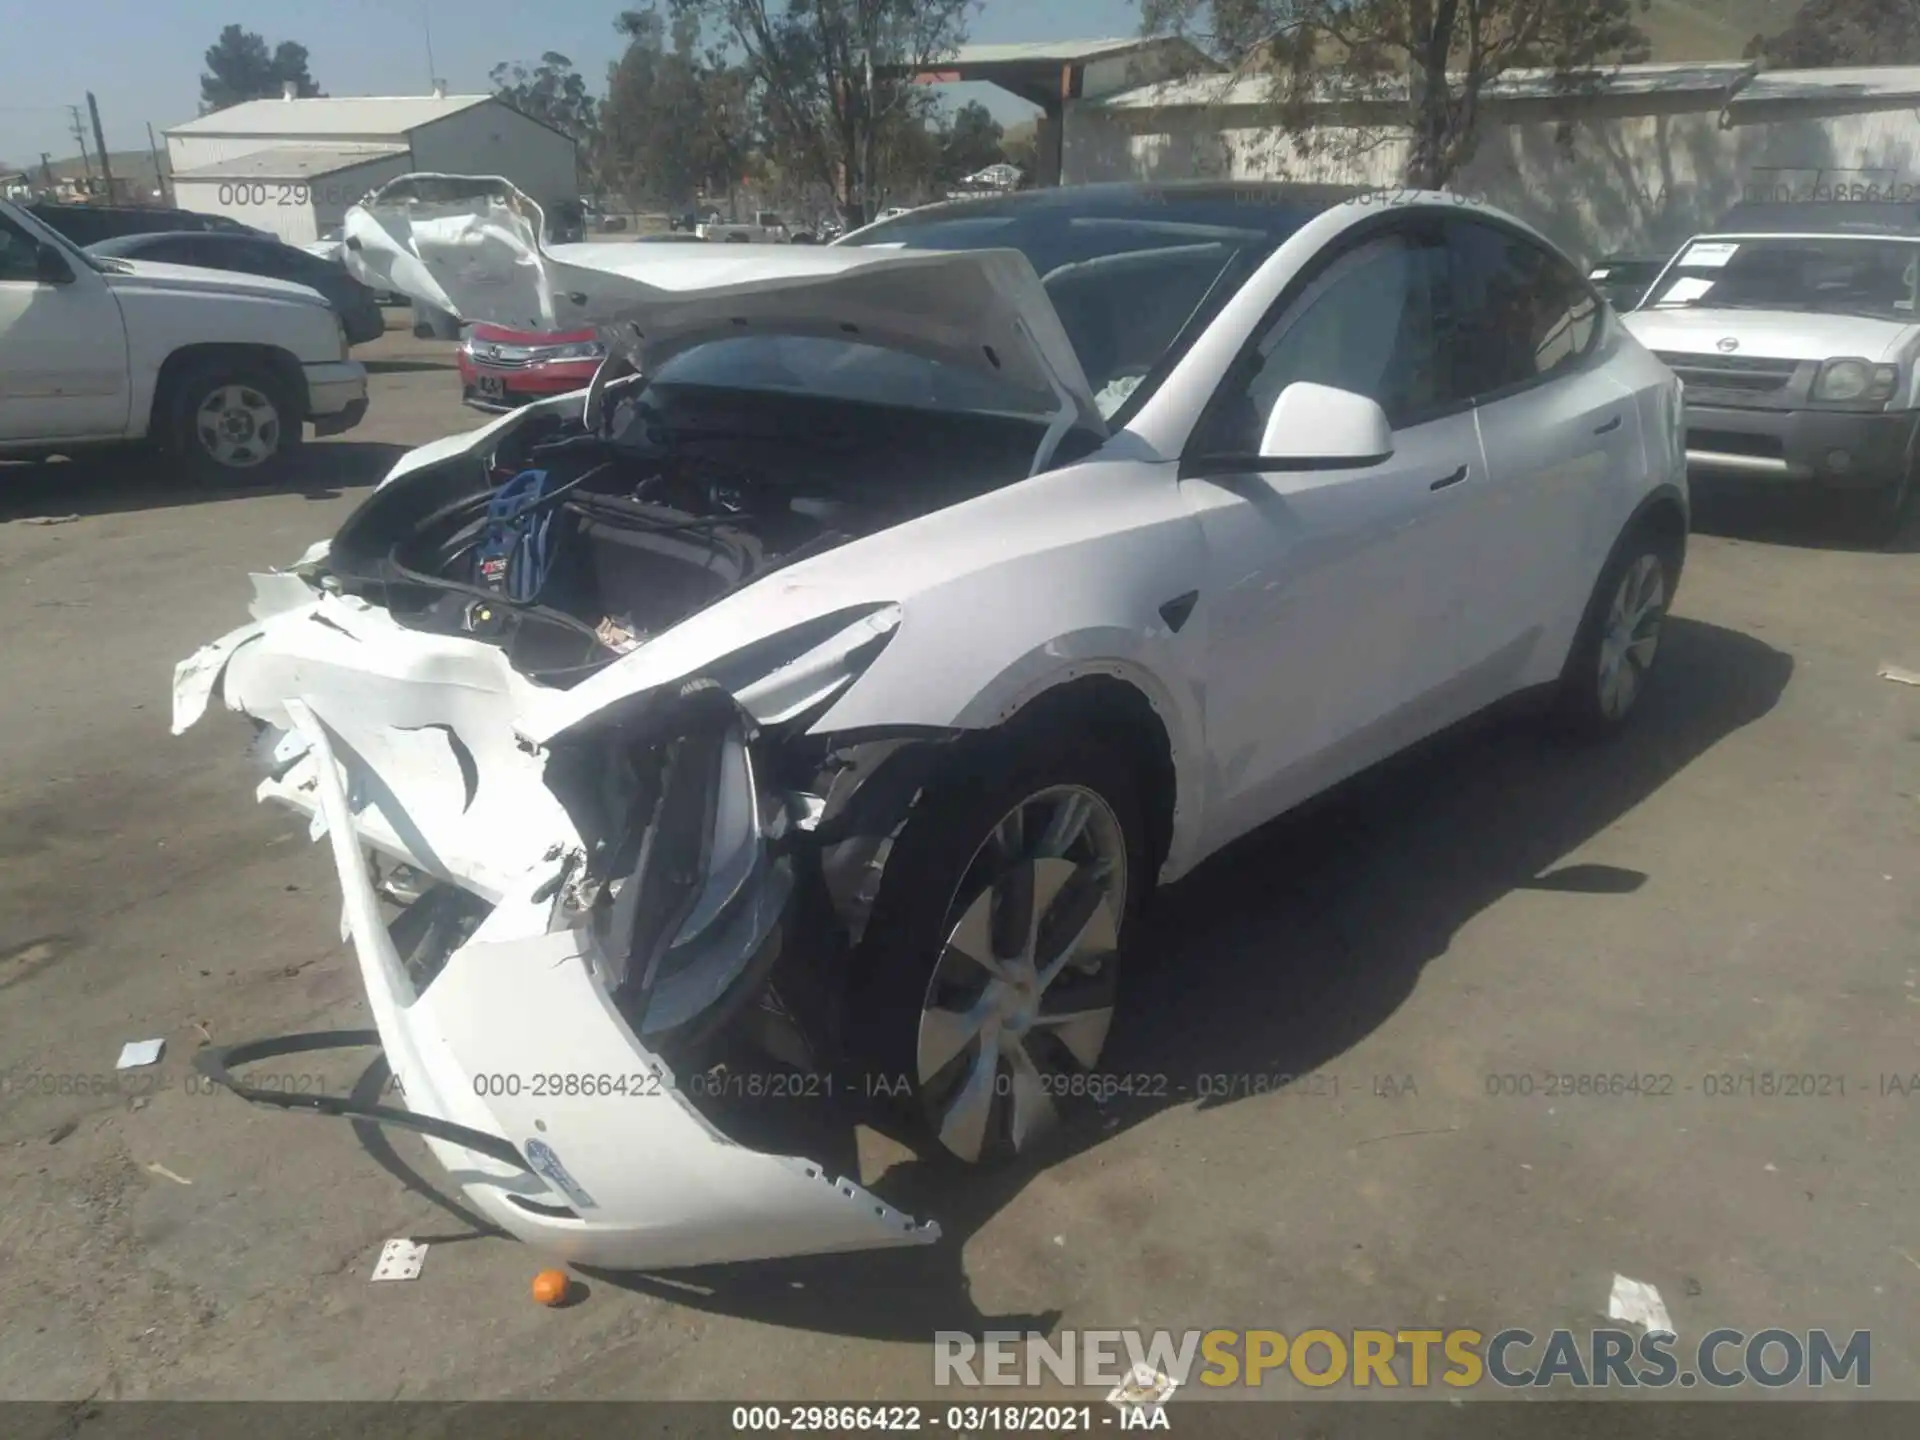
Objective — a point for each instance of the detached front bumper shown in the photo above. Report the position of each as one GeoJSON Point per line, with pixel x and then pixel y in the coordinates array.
{"type": "Point", "coordinates": [586, 1145]}
{"type": "Point", "coordinates": [1835, 449]}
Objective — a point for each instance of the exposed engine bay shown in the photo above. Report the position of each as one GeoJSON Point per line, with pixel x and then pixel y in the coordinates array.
{"type": "Point", "coordinates": [573, 544]}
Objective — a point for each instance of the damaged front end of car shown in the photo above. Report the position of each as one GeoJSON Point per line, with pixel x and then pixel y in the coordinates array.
{"type": "Point", "coordinates": [554, 936]}
{"type": "Point", "coordinates": [554, 694]}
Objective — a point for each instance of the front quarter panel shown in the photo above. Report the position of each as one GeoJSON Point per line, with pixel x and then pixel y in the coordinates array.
{"type": "Point", "coordinates": [999, 599]}
{"type": "Point", "coordinates": [160, 321]}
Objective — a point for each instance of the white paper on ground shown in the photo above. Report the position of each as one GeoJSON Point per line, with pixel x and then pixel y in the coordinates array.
{"type": "Point", "coordinates": [1144, 1386]}
{"type": "Point", "coordinates": [136, 1053]}
{"type": "Point", "coordinates": [400, 1260]}
{"type": "Point", "coordinates": [1638, 1303]}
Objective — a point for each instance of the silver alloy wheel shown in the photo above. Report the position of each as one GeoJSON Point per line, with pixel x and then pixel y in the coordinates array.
{"type": "Point", "coordinates": [1023, 994]}
{"type": "Point", "coordinates": [238, 426]}
{"type": "Point", "coordinates": [1632, 635]}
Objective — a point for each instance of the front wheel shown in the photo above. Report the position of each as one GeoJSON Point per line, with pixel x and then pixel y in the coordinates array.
{"type": "Point", "coordinates": [234, 424]}
{"type": "Point", "coordinates": [1619, 638]}
{"type": "Point", "coordinates": [995, 945]}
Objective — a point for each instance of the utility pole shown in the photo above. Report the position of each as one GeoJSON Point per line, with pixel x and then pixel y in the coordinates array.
{"type": "Point", "coordinates": [159, 173]}
{"type": "Point", "coordinates": [100, 144]}
{"type": "Point", "coordinates": [80, 139]}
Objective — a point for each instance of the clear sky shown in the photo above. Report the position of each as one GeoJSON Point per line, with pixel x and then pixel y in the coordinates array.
{"type": "Point", "coordinates": [143, 58]}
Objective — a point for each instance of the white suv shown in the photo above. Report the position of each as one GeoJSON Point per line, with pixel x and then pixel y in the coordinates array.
{"type": "Point", "coordinates": [223, 370]}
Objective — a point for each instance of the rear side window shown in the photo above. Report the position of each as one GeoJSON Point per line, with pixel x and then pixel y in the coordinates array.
{"type": "Point", "coordinates": [1518, 313]}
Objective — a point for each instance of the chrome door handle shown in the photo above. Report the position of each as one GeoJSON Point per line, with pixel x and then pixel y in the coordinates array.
{"type": "Point", "coordinates": [1611, 425]}
{"type": "Point", "coordinates": [1454, 479]}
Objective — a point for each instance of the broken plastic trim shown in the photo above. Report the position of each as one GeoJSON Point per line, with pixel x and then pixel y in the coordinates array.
{"type": "Point", "coordinates": [217, 1064]}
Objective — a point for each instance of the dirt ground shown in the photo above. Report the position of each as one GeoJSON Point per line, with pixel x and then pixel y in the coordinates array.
{"type": "Point", "coordinates": [1728, 891]}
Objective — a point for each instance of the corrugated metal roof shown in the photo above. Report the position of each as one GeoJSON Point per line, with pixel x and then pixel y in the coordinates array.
{"type": "Point", "coordinates": [1859, 82]}
{"type": "Point", "coordinates": [292, 162]}
{"type": "Point", "coordinates": [1044, 52]}
{"type": "Point", "coordinates": [1206, 91]}
{"type": "Point", "coordinates": [342, 116]}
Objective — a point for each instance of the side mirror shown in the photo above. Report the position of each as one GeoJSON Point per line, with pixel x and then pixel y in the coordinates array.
{"type": "Point", "coordinates": [50, 266]}
{"type": "Point", "coordinates": [1316, 427]}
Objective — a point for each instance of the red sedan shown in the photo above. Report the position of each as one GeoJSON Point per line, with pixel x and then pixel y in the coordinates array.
{"type": "Point", "coordinates": [501, 368]}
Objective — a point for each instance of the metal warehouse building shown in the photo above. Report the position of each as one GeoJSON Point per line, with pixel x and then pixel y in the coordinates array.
{"type": "Point", "coordinates": [1646, 156]}
{"type": "Point", "coordinates": [294, 167]}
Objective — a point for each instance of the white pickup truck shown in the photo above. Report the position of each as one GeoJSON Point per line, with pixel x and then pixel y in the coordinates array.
{"type": "Point", "coordinates": [222, 370]}
{"type": "Point", "coordinates": [767, 228]}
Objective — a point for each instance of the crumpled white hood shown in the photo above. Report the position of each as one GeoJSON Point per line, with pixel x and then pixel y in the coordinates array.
{"type": "Point", "coordinates": [470, 246]}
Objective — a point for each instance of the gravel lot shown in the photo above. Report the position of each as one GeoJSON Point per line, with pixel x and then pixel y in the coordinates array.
{"type": "Point", "coordinates": [1729, 890]}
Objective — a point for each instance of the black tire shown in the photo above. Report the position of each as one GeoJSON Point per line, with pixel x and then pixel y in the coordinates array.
{"type": "Point", "coordinates": [931, 878]}
{"type": "Point", "coordinates": [1582, 705]}
{"type": "Point", "coordinates": [258, 459]}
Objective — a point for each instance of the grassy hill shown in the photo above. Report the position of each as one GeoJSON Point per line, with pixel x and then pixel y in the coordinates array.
{"type": "Point", "coordinates": [1712, 29]}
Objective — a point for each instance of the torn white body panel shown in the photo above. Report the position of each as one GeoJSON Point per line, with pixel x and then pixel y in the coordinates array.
{"type": "Point", "coordinates": [471, 246]}
{"type": "Point", "coordinates": [633, 1179]}
{"type": "Point", "coordinates": [426, 725]}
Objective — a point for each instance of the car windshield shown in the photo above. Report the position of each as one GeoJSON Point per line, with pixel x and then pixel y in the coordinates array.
{"type": "Point", "coordinates": [1131, 275]}
{"type": "Point", "coordinates": [1821, 275]}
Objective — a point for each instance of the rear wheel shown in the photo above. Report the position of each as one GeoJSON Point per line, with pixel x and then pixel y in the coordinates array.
{"type": "Point", "coordinates": [234, 423]}
{"type": "Point", "coordinates": [1619, 638]}
{"type": "Point", "coordinates": [995, 945]}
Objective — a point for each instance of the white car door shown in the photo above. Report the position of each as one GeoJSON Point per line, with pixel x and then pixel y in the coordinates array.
{"type": "Point", "coordinates": [1333, 590]}
{"type": "Point", "coordinates": [63, 347]}
{"type": "Point", "coordinates": [1562, 440]}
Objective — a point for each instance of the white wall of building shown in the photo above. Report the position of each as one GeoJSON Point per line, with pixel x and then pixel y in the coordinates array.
{"type": "Point", "coordinates": [494, 139]}
{"type": "Point", "coordinates": [298, 211]}
{"type": "Point", "coordinates": [1628, 173]}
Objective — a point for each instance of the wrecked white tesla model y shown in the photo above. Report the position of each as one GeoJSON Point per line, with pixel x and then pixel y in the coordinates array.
{"type": "Point", "coordinates": [845, 666]}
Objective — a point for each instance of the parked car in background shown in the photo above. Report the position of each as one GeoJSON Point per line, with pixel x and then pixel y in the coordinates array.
{"type": "Point", "coordinates": [1797, 331]}
{"type": "Point", "coordinates": [357, 306]}
{"type": "Point", "coordinates": [503, 368]}
{"type": "Point", "coordinates": [766, 228]}
{"type": "Point", "coordinates": [87, 224]}
{"type": "Point", "coordinates": [854, 659]}
{"type": "Point", "coordinates": [669, 237]}
{"type": "Point", "coordinates": [1623, 279]}
{"type": "Point", "coordinates": [221, 370]}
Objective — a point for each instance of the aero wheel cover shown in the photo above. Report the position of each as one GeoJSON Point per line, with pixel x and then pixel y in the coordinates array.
{"type": "Point", "coordinates": [1021, 1000]}
{"type": "Point", "coordinates": [1631, 634]}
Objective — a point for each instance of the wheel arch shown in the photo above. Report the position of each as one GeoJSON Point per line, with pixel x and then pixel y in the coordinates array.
{"type": "Point", "coordinates": [882, 771]}
{"type": "Point", "coordinates": [283, 365]}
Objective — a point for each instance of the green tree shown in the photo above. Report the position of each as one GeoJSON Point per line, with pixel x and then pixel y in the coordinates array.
{"type": "Point", "coordinates": [1844, 32]}
{"type": "Point", "coordinates": [678, 120]}
{"type": "Point", "coordinates": [1429, 60]}
{"type": "Point", "coordinates": [972, 141]}
{"type": "Point", "coordinates": [830, 80]}
{"type": "Point", "coordinates": [556, 94]}
{"type": "Point", "coordinates": [241, 68]}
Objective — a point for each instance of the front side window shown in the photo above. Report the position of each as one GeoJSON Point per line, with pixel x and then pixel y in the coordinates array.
{"type": "Point", "coordinates": [1517, 312]}
{"type": "Point", "coordinates": [1822, 275]}
{"type": "Point", "coordinates": [1365, 326]}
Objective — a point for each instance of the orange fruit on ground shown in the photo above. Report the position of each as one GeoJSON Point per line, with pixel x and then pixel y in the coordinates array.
{"type": "Point", "coordinates": [550, 1287]}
